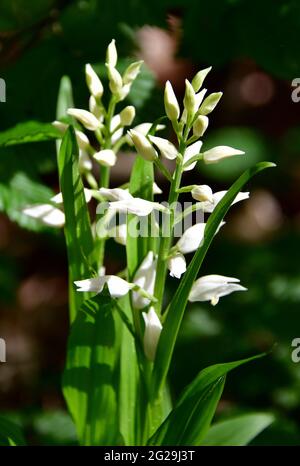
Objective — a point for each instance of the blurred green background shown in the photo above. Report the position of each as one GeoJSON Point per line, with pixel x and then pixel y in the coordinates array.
{"type": "Point", "coordinates": [254, 50]}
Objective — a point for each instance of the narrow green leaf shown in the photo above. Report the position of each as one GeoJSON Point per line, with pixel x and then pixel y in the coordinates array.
{"type": "Point", "coordinates": [29, 131]}
{"type": "Point", "coordinates": [78, 233]}
{"type": "Point", "coordinates": [92, 365]}
{"type": "Point", "coordinates": [237, 431]}
{"type": "Point", "coordinates": [10, 433]}
{"type": "Point", "coordinates": [189, 421]}
{"type": "Point", "coordinates": [178, 304]}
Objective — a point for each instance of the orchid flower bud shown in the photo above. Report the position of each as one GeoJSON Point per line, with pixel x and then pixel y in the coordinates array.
{"type": "Point", "coordinates": [190, 152]}
{"type": "Point", "coordinates": [189, 100]}
{"type": "Point", "coordinates": [106, 157]}
{"type": "Point", "coordinates": [202, 193]}
{"type": "Point", "coordinates": [93, 82]}
{"type": "Point", "coordinates": [177, 265]}
{"type": "Point", "coordinates": [167, 149]}
{"type": "Point", "coordinates": [213, 287]}
{"type": "Point", "coordinates": [115, 79]}
{"type": "Point", "coordinates": [87, 119]}
{"type": "Point", "coordinates": [111, 54]}
{"type": "Point", "coordinates": [171, 103]}
{"type": "Point", "coordinates": [200, 126]}
{"type": "Point", "coordinates": [220, 153]}
{"type": "Point", "coordinates": [210, 103]}
{"type": "Point", "coordinates": [127, 115]}
{"type": "Point", "coordinates": [143, 146]}
{"type": "Point", "coordinates": [131, 72]}
{"type": "Point", "coordinates": [198, 79]}
{"type": "Point", "coordinates": [152, 333]}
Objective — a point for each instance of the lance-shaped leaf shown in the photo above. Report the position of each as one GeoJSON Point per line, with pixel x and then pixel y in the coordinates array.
{"type": "Point", "coordinates": [89, 381]}
{"type": "Point", "coordinates": [30, 131]}
{"type": "Point", "coordinates": [189, 421]}
{"type": "Point", "coordinates": [10, 433]}
{"type": "Point", "coordinates": [78, 233]}
{"type": "Point", "coordinates": [178, 304]}
{"type": "Point", "coordinates": [238, 431]}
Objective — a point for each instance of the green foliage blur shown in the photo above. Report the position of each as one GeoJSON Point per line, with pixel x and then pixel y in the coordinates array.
{"type": "Point", "coordinates": [253, 48]}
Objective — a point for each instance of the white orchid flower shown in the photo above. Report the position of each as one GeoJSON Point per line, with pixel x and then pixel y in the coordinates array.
{"type": "Point", "coordinates": [136, 206]}
{"type": "Point", "coordinates": [142, 145]}
{"type": "Point", "coordinates": [117, 287]}
{"type": "Point", "coordinates": [152, 333]}
{"type": "Point", "coordinates": [177, 265]}
{"type": "Point", "coordinates": [115, 194]}
{"type": "Point", "coordinates": [46, 214]}
{"type": "Point", "coordinates": [202, 193]}
{"type": "Point", "coordinates": [167, 149]}
{"type": "Point", "coordinates": [82, 139]}
{"type": "Point", "coordinates": [145, 279]}
{"type": "Point", "coordinates": [87, 119]}
{"type": "Point", "coordinates": [119, 234]}
{"type": "Point", "coordinates": [212, 287]}
{"type": "Point", "coordinates": [190, 152]}
{"type": "Point", "coordinates": [192, 238]}
{"type": "Point", "coordinates": [93, 82]}
{"type": "Point", "coordinates": [220, 153]}
{"type": "Point", "coordinates": [106, 157]}
{"type": "Point", "coordinates": [216, 198]}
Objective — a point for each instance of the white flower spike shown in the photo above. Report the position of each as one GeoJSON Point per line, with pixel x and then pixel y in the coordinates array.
{"type": "Point", "coordinates": [145, 279]}
{"type": "Point", "coordinates": [219, 153]}
{"type": "Point", "coordinates": [88, 120]}
{"type": "Point", "coordinates": [212, 287]}
{"type": "Point", "coordinates": [117, 287]}
{"type": "Point", "coordinates": [152, 333]}
{"type": "Point", "coordinates": [177, 265]}
{"type": "Point", "coordinates": [93, 82]}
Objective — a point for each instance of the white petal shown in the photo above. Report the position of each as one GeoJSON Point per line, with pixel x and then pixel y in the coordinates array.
{"type": "Point", "coordinates": [177, 265]}
{"type": "Point", "coordinates": [219, 153]}
{"type": "Point", "coordinates": [152, 333]}
{"type": "Point", "coordinates": [167, 149]}
{"type": "Point", "coordinates": [115, 194]}
{"type": "Point", "coordinates": [106, 157]}
{"type": "Point", "coordinates": [58, 199]}
{"type": "Point", "coordinates": [145, 278]}
{"type": "Point", "coordinates": [156, 189]}
{"type": "Point", "coordinates": [91, 284]}
{"type": "Point", "coordinates": [119, 233]}
{"type": "Point", "coordinates": [47, 214]}
{"type": "Point", "coordinates": [117, 287]}
{"type": "Point", "coordinates": [82, 139]}
{"type": "Point", "coordinates": [192, 150]}
{"type": "Point", "coordinates": [209, 206]}
{"type": "Point", "coordinates": [202, 193]}
{"type": "Point", "coordinates": [136, 206]}
{"type": "Point", "coordinates": [88, 120]}
{"type": "Point", "coordinates": [115, 122]}
{"type": "Point", "coordinates": [93, 82]}
{"type": "Point", "coordinates": [85, 163]}
{"type": "Point", "coordinates": [191, 238]}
